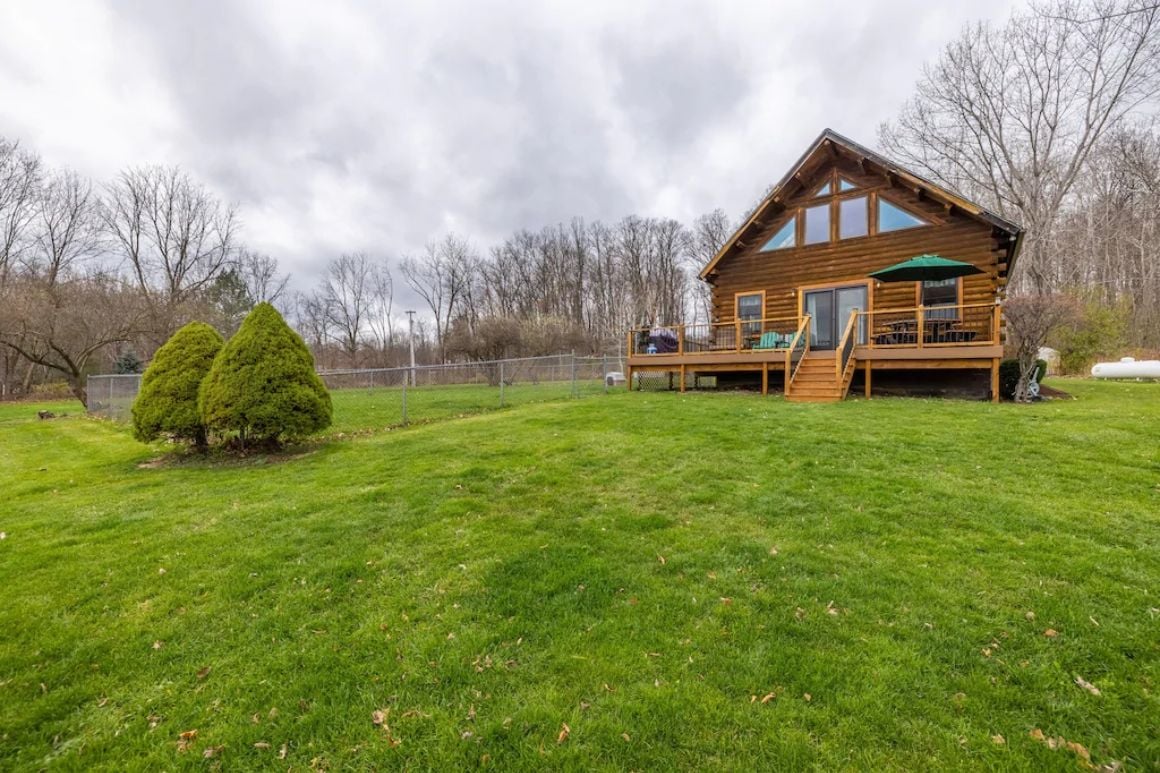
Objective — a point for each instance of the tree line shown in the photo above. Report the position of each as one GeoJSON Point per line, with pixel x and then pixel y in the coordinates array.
{"type": "Point", "coordinates": [94, 277]}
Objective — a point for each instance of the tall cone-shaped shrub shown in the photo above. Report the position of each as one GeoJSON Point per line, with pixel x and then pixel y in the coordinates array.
{"type": "Point", "coordinates": [262, 385]}
{"type": "Point", "coordinates": [167, 402]}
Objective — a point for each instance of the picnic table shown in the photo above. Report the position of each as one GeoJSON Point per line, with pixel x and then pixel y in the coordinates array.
{"type": "Point", "coordinates": [936, 330]}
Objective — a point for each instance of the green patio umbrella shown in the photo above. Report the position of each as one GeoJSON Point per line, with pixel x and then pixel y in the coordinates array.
{"type": "Point", "coordinates": [925, 268]}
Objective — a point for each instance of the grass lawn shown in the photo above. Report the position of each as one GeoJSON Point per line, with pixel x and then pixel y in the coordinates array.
{"type": "Point", "coordinates": [358, 410]}
{"type": "Point", "coordinates": [632, 581]}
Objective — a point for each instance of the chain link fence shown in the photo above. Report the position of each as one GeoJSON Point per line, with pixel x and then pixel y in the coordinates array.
{"type": "Point", "coordinates": [386, 397]}
{"type": "Point", "coordinates": [111, 395]}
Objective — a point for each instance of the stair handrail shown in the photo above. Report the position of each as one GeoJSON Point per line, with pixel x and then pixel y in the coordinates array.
{"type": "Point", "coordinates": [845, 349]}
{"type": "Point", "coordinates": [794, 358]}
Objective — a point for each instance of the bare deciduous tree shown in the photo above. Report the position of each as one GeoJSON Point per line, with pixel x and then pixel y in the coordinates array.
{"type": "Point", "coordinates": [441, 277]}
{"type": "Point", "coordinates": [1010, 114]}
{"type": "Point", "coordinates": [62, 326]}
{"type": "Point", "coordinates": [347, 295]}
{"type": "Point", "coordinates": [709, 234]}
{"type": "Point", "coordinates": [20, 174]}
{"type": "Point", "coordinates": [263, 280]}
{"type": "Point", "coordinates": [173, 234]}
{"type": "Point", "coordinates": [1030, 320]}
{"type": "Point", "coordinates": [68, 227]}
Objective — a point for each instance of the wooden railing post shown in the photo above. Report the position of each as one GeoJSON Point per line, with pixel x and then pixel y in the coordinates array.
{"type": "Point", "coordinates": [681, 345]}
{"type": "Point", "coordinates": [629, 349]}
{"type": "Point", "coordinates": [737, 335]}
{"type": "Point", "coordinates": [995, 312]}
{"type": "Point", "coordinates": [921, 324]}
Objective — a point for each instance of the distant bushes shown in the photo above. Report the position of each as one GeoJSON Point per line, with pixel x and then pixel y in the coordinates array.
{"type": "Point", "coordinates": [1009, 376]}
{"type": "Point", "coordinates": [1098, 332]}
{"type": "Point", "coordinates": [259, 389]}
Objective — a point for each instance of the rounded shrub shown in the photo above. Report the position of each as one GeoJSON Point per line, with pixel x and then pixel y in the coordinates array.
{"type": "Point", "coordinates": [262, 387]}
{"type": "Point", "coordinates": [167, 402]}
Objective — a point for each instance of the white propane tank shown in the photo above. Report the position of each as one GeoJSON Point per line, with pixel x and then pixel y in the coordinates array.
{"type": "Point", "coordinates": [1127, 368]}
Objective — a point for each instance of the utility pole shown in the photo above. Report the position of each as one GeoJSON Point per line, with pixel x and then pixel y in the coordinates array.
{"type": "Point", "coordinates": [411, 340]}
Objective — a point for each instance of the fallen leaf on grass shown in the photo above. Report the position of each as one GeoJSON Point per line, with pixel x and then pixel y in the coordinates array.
{"type": "Point", "coordinates": [726, 601]}
{"type": "Point", "coordinates": [998, 739]}
{"type": "Point", "coordinates": [773, 550]}
{"type": "Point", "coordinates": [768, 697]}
{"type": "Point", "coordinates": [261, 745]}
{"type": "Point", "coordinates": [101, 703]}
{"type": "Point", "coordinates": [1079, 680]}
{"type": "Point", "coordinates": [202, 674]}
{"type": "Point", "coordinates": [565, 731]}
{"type": "Point", "coordinates": [154, 721]}
{"type": "Point", "coordinates": [662, 560]}
{"type": "Point", "coordinates": [212, 752]}
{"type": "Point", "coordinates": [157, 645]}
{"type": "Point", "coordinates": [282, 752]}
{"type": "Point", "coordinates": [379, 716]}
{"type": "Point", "coordinates": [185, 739]}
{"type": "Point", "coordinates": [808, 697]}
{"type": "Point", "coordinates": [625, 737]}
{"type": "Point", "coordinates": [1051, 633]}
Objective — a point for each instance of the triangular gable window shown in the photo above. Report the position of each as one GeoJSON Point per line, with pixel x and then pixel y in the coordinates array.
{"type": "Point", "coordinates": [785, 237]}
{"type": "Point", "coordinates": [845, 185]}
{"type": "Point", "coordinates": [825, 190]}
{"type": "Point", "coordinates": [892, 218]}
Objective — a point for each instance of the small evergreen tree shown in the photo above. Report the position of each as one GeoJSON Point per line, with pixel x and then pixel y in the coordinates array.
{"type": "Point", "coordinates": [262, 385]}
{"type": "Point", "coordinates": [128, 363]}
{"type": "Point", "coordinates": [167, 402]}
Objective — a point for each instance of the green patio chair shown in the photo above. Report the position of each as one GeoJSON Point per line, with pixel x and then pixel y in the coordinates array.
{"type": "Point", "coordinates": [768, 341]}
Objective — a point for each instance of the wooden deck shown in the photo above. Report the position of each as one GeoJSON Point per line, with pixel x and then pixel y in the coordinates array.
{"type": "Point", "coordinates": [781, 347]}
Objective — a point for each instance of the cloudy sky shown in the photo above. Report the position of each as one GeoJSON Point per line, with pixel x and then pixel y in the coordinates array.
{"type": "Point", "coordinates": [378, 126]}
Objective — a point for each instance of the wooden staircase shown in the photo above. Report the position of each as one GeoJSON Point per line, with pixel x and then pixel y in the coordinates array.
{"type": "Point", "coordinates": [817, 380]}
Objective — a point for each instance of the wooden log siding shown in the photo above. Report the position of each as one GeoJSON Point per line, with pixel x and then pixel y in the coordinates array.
{"type": "Point", "coordinates": [781, 273]}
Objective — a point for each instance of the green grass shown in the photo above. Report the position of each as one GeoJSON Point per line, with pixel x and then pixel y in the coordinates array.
{"type": "Point", "coordinates": [491, 578]}
{"type": "Point", "coordinates": [358, 410]}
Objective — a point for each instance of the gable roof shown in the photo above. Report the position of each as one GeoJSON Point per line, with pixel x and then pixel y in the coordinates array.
{"type": "Point", "coordinates": [829, 140]}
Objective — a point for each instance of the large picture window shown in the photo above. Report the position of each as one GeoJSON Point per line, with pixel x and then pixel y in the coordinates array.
{"type": "Point", "coordinates": [853, 218]}
{"type": "Point", "coordinates": [894, 218]}
{"type": "Point", "coordinates": [785, 237]}
{"type": "Point", "coordinates": [817, 224]}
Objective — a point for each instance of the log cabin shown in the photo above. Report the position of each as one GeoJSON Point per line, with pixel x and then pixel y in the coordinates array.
{"type": "Point", "coordinates": [794, 307]}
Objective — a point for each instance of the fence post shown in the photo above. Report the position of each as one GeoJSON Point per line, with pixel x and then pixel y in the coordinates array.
{"type": "Point", "coordinates": [501, 383]}
{"type": "Point", "coordinates": [574, 392]}
{"type": "Point", "coordinates": [604, 371]}
{"type": "Point", "coordinates": [405, 380]}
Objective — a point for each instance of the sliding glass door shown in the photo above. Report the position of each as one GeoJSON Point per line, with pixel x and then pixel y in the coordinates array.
{"type": "Point", "coordinates": [829, 311]}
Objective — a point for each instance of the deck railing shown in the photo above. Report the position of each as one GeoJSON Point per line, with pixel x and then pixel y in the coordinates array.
{"type": "Point", "coordinates": [740, 335]}
{"type": "Point", "coordinates": [972, 324]}
{"type": "Point", "coordinates": [798, 349]}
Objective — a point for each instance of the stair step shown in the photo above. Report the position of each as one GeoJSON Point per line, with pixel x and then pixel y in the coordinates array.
{"type": "Point", "coordinates": [814, 391]}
